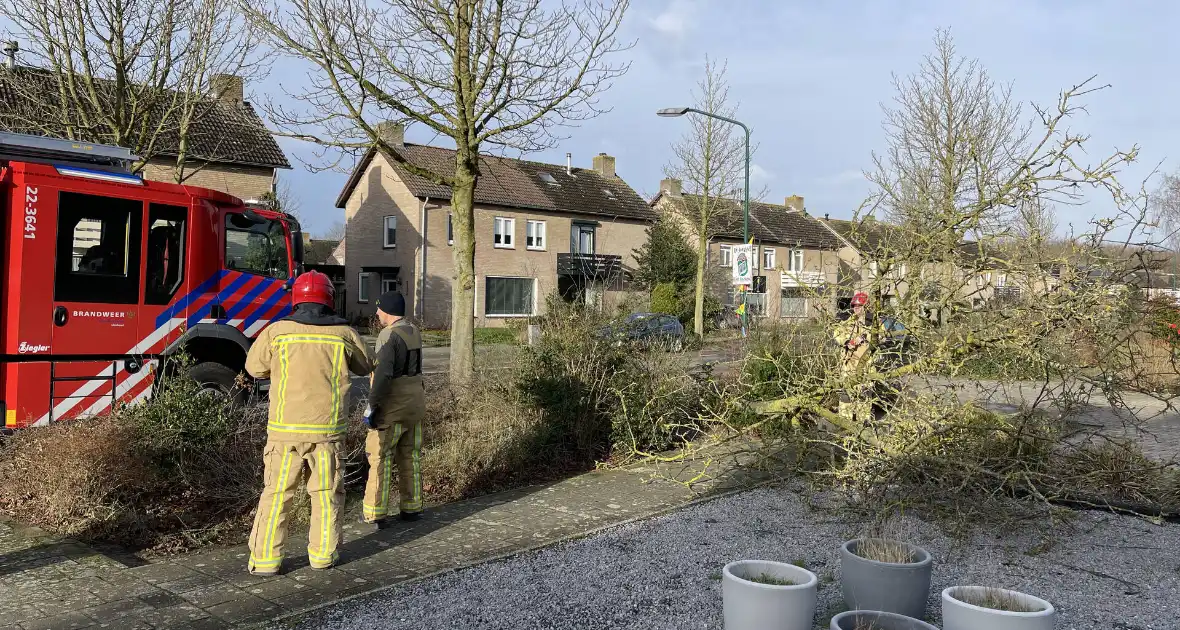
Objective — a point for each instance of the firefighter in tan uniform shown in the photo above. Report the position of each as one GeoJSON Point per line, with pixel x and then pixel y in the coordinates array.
{"type": "Point", "coordinates": [397, 406]}
{"type": "Point", "coordinates": [308, 357]}
{"type": "Point", "coordinates": [853, 336]}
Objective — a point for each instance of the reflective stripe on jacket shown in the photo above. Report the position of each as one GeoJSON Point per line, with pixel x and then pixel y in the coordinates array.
{"type": "Point", "coordinates": [309, 368]}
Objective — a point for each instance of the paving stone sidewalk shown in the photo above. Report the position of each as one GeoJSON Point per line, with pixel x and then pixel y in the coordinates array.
{"type": "Point", "coordinates": [48, 583]}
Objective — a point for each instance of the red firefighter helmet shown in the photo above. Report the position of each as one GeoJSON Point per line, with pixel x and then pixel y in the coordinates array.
{"type": "Point", "coordinates": [860, 298]}
{"type": "Point", "coordinates": [314, 287]}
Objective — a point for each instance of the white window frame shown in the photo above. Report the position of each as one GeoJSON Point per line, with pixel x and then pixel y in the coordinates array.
{"type": "Point", "coordinates": [532, 309]}
{"type": "Point", "coordinates": [391, 280]}
{"type": "Point", "coordinates": [539, 226]}
{"type": "Point", "coordinates": [724, 255]}
{"type": "Point", "coordinates": [1001, 280]}
{"type": "Point", "coordinates": [363, 279]}
{"type": "Point", "coordinates": [504, 226]}
{"type": "Point", "coordinates": [450, 228]}
{"type": "Point", "coordinates": [768, 256]}
{"type": "Point", "coordinates": [385, 232]}
{"type": "Point", "coordinates": [795, 260]}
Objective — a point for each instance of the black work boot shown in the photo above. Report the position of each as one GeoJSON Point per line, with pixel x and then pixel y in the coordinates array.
{"type": "Point", "coordinates": [409, 516]}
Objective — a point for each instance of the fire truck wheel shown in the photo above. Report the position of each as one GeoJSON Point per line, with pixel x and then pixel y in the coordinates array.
{"type": "Point", "coordinates": [219, 380]}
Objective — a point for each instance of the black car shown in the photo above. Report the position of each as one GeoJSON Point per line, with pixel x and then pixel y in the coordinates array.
{"type": "Point", "coordinates": [646, 330]}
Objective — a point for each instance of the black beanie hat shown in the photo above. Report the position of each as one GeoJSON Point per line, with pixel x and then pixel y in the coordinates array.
{"type": "Point", "coordinates": [392, 303]}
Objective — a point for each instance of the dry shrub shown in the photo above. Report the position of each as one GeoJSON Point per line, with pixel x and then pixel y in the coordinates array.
{"type": "Point", "coordinates": [180, 471]}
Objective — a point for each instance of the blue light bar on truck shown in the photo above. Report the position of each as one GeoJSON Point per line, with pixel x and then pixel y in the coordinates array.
{"type": "Point", "coordinates": [105, 176]}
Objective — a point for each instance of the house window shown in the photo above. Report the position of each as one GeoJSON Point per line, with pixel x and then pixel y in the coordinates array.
{"type": "Point", "coordinates": [503, 231]}
{"type": "Point", "coordinates": [508, 297]}
{"type": "Point", "coordinates": [362, 286]}
{"type": "Point", "coordinates": [450, 229]}
{"type": "Point", "coordinates": [726, 255]}
{"type": "Point", "coordinates": [388, 283]}
{"type": "Point", "coordinates": [582, 238]}
{"type": "Point", "coordinates": [1001, 280]}
{"type": "Point", "coordinates": [768, 258]}
{"type": "Point", "coordinates": [390, 232]}
{"type": "Point", "coordinates": [793, 302]}
{"type": "Point", "coordinates": [534, 236]}
{"type": "Point", "coordinates": [795, 260]}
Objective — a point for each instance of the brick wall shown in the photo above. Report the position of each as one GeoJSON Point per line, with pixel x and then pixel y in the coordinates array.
{"type": "Point", "coordinates": [380, 193]}
{"type": "Point", "coordinates": [243, 182]}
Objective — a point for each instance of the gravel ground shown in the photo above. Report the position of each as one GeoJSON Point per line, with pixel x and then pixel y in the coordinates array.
{"type": "Point", "coordinates": [1099, 570]}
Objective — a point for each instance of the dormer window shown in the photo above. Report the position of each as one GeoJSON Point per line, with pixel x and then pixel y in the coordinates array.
{"type": "Point", "coordinates": [548, 179]}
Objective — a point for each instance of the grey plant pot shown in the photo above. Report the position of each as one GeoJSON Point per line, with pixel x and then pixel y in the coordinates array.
{"type": "Point", "coordinates": [959, 615]}
{"type": "Point", "coordinates": [753, 606]}
{"type": "Point", "coordinates": [880, 621]}
{"type": "Point", "coordinates": [885, 586]}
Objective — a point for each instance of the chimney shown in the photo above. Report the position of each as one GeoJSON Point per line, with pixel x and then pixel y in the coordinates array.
{"type": "Point", "coordinates": [393, 133]}
{"type": "Point", "coordinates": [794, 202]}
{"type": "Point", "coordinates": [227, 87]}
{"type": "Point", "coordinates": [569, 163]}
{"type": "Point", "coordinates": [670, 186]}
{"type": "Point", "coordinates": [605, 165]}
{"type": "Point", "coordinates": [826, 217]}
{"type": "Point", "coordinates": [10, 50]}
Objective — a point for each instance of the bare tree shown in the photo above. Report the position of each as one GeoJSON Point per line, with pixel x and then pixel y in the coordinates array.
{"type": "Point", "coordinates": [335, 232]}
{"type": "Point", "coordinates": [955, 137]}
{"type": "Point", "coordinates": [927, 427]}
{"type": "Point", "coordinates": [709, 160]}
{"type": "Point", "coordinates": [132, 73]}
{"type": "Point", "coordinates": [506, 73]}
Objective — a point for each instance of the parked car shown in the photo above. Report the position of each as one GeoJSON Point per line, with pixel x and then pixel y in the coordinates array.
{"type": "Point", "coordinates": [646, 330]}
{"type": "Point", "coordinates": [727, 317]}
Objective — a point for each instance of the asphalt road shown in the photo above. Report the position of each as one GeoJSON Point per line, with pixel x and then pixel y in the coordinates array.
{"type": "Point", "coordinates": [436, 360]}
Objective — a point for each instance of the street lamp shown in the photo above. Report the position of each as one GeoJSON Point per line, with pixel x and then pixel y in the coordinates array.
{"type": "Point", "coordinates": [673, 112]}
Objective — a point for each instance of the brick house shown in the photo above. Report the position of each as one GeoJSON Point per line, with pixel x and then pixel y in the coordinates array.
{"type": "Point", "coordinates": [540, 229]}
{"type": "Point", "coordinates": [797, 262]}
{"type": "Point", "coordinates": [229, 147]}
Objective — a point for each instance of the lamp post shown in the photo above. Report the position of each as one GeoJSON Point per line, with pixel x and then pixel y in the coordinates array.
{"type": "Point", "coordinates": [673, 112]}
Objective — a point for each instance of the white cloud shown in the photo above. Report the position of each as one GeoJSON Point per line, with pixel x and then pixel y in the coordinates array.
{"type": "Point", "coordinates": [760, 174]}
{"type": "Point", "coordinates": [843, 178]}
{"type": "Point", "coordinates": [675, 20]}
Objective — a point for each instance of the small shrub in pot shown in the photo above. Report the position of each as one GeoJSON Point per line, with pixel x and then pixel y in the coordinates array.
{"type": "Point", "coordinates": [767, 595]}
{"type": "Point", "coordinates": [885, 575]}
{"type": "Point", "coordinates": [877, 620]}
{"type": "Point", "coordinates": [983, 608]}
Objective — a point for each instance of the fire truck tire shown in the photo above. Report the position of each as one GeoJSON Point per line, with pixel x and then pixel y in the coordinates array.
{"type": "Point", "coordinates": [217, 378]}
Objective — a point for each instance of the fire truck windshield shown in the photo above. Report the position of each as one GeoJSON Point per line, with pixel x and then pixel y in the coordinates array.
{"type": "Point", "coordinates": [256, 246]}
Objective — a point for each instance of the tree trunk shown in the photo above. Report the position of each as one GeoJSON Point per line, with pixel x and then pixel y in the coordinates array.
{"type": "Point", "coordinates": [698, 310]}
{"type": "Point", "coordinates": [463, 282]}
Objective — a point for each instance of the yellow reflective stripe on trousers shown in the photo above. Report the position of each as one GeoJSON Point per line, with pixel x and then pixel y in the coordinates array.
{"type": "Point", "coordinates": [326, 493]}
{"type": "Point", "coordinates": [276, 509]}
{"type": "Point", "coordinates": [318, 429]}
{"type": "Point", "coordinates": [415, 502]}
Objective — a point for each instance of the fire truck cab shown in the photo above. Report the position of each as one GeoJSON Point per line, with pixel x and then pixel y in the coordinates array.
{"type": "Point", "coordinates": [104, 274]}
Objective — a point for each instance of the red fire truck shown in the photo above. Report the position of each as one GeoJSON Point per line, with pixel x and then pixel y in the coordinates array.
{"type": "Point", "coordinates": [105, 274]}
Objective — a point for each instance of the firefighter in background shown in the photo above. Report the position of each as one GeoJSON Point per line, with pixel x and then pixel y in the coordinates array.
{"type": "Point", "coordinates": [308, 357]}
{"type": "Point", "coordinates": [853, 336]}
{"type": "Point", "coordinates": [397, 406]}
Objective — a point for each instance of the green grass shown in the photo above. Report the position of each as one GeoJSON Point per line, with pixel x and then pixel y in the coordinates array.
{"type": "Point", "coordinates": [483, 337]}
{"type": "Point", "coordinates": [766, 578]}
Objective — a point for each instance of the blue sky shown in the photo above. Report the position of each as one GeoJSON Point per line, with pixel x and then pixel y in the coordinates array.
{"type": "Point", "coordinates": [810, 78]}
